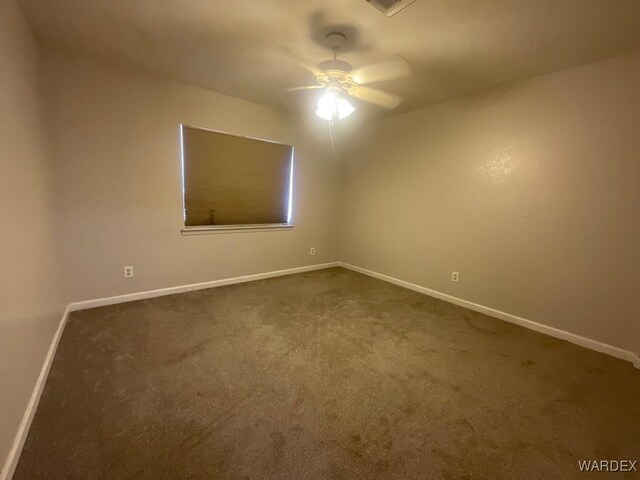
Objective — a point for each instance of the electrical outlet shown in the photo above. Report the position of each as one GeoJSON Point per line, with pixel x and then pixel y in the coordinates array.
{"type": "Point", "coordinates": [312, 251]}
{"type": "Point", "coordinates": [455, 276]}
{"type": "Point", "coordinates": [128, 271]}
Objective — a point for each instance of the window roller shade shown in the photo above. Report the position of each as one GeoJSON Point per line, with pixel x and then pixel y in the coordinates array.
{"type": "Point", "coordinates": [231, 180]}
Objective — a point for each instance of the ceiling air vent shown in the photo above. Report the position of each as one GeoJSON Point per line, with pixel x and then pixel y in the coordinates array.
{"type": "Point", "coordinates": [390, 7]}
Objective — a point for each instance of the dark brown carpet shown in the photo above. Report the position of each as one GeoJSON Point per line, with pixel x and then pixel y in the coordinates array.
{"type": "Point", "coordinates": [328, 374]}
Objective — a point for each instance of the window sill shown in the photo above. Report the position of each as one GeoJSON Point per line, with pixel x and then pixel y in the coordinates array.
{"type": "Point", "coordinates": [213, 229]}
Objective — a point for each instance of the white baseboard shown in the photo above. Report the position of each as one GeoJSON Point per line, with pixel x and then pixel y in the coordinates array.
{"type": "Point", "coordinates": [130, 297]}
{"type": "Point", "coordinates": [523, 322]}
{"type": "Point", "coordinates": [21, 436]}
{"type": "Point", "coordinates": [23, 430]}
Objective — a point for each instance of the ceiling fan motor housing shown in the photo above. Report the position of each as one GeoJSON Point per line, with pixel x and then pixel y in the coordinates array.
{"type": "Point", "coordinates": [335, 74]}
{"type": "Point", "coordinates": [336, 79]}
{"type": "Point", "coordinates": [339, 65]}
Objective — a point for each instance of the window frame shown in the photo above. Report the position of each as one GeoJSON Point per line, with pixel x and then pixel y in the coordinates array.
{"type": "Point", "coordinates": [212, 229]}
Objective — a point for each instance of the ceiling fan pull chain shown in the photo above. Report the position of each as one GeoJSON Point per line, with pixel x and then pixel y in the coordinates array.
{"type": "Point", "coordinates": [333, 148]}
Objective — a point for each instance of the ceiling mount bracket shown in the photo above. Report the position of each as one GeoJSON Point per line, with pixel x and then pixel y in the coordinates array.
{"type": "Point", "coordinates": [335, 40]}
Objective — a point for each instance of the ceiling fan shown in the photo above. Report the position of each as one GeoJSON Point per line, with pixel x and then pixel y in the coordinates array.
{"type": "Point", "coordinates": [340, 81]}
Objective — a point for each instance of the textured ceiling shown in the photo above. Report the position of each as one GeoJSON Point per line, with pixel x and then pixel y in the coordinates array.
{"type": "Point", "coordinates": [455, 47]}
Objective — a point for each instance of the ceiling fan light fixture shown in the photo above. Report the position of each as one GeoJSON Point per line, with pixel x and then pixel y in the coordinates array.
{"type": "Point", "coordinates": [331, 105]}
{"type": "Point", "coordinates": [344, 108]}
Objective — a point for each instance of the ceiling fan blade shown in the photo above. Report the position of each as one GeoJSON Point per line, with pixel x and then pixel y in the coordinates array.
{"type": "Point", "coordinates": [298, 60]}
{"type": "Point", "coordinates": [376, 97]}
{"type": "Point", "coordinates": [397, 67]}
{"type": "Point", "coordinates": [308, 87]}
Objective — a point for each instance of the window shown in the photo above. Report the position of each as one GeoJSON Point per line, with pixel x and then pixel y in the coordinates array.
{"type": "Point", "coordinates": [232, 182]}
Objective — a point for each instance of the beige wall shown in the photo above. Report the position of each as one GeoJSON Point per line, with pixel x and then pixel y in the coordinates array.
{"type": "Point", "coordinates": [117, 154]}
{"type": "Point", "coordinates": [30, 307]}
{"type": "Point", "coordinates": [530, 192]}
